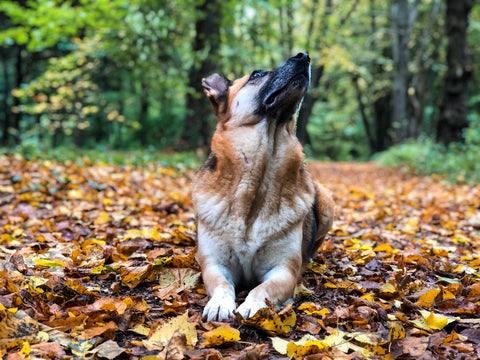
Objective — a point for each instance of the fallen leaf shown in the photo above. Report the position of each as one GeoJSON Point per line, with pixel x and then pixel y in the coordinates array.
{"type": "Point", "coordinates": [427, 299]}
{"type": "Point", "coordinates": [274, 323]}
{"type": "Point", "coordinates": [221, 335]}
{"type": "Point", "coordinates": [162, 335]}
{"type": "Point", "coordinates": [108, 350]}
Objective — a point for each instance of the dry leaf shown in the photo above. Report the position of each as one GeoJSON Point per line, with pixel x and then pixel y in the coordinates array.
{"type": "Point", "coordinates": [222, 334]}
{"type": "Point", "coordinates": [274, 323]}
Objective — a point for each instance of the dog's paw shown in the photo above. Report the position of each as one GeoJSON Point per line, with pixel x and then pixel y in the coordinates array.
{"type": "Point", "coordinates": [219, 308]}
{"type": "Point", "coordinates": [250, 307]}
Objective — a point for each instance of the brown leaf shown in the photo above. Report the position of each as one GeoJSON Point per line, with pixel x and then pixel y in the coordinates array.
{"type": "Point", "coordinates": [106, 330]}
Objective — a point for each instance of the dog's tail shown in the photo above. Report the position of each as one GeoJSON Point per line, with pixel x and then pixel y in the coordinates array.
{"type": "Point", "coordinates": [318, 223]}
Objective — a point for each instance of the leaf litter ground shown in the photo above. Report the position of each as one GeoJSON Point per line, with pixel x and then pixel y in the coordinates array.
{"type": "Point", "coordinates": [97, 261]}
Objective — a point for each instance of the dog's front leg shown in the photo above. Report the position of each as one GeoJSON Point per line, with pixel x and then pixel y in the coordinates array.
{"type": "Point", "coordinates": [277, 265]}
{"type": "Point", "coordinates": [278, 286]}
{"type": "Point", "coordinates": [214, 255]}
{"type": "Point", "coordinates": [221, 292]}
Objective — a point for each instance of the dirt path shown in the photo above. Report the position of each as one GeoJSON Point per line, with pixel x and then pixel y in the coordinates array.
{"type": "Point", "coordinates": [97, 261]}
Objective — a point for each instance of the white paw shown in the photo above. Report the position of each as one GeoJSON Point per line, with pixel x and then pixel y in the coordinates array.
{"type": "Point", "coordinates": [250, 307]}
{"type": "Point", "coordinates": [219, 308]}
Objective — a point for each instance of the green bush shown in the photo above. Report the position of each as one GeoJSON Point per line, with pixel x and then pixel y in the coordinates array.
{"type": "Point", "coordinates": [457, 163]}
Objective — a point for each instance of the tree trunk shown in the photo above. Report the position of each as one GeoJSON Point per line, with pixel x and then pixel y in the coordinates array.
{"type": "Point", "coordinates": [307, 106]}
{"type": "Point", "coordinates": [317, 71]}
{"type": "Point", "coordinates": [383, 121]}
{"type": "Point", "coordinates": [143, 114]}
{"type": "Point", "coordinates": [363, 115]}
{"type": "Point", "coordinates": [423, 64]}
{"type": "Point", "coordinates": [453, 110]}
{"type": "Point", "coordinates": [400, 59]}
{"type": "Point", "coordinates": [6, 92]}
{"type": "Point", "coordinates": [197, 127]}
{"type": "Point", "coordinates": [18, 80]}
{"type": "Point", "coordinates": [382, 114]}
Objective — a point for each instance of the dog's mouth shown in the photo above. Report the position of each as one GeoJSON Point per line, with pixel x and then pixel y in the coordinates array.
{"type": "Point", "coordinates": [294, 88]}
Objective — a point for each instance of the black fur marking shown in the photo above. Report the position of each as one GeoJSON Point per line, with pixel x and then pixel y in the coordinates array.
{"type": "Point", "coordinates": [210, 164]}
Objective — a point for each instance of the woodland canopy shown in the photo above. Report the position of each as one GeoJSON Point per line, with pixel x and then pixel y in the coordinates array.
{"type": "Point", "coordinates": [126, 74]}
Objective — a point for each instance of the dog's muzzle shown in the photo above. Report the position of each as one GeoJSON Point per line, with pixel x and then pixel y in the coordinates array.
{"type": "Point", "coordinates": [287, 85]}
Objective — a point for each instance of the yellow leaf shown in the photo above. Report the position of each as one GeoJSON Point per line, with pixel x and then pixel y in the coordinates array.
{"type": "Point", "coordinates": [49, 263]}
{"type": "Point", "coordinates": [440, 252]}
{"type": "Point", "coordinates": [368, 297]}
{"type": "Point", "coordinates": [427, 299]}
{"type": "Point", "coordinates": [396, 331]}
{"type": "Point", "coordinates": [151, 234]}
{"type": "Point", "coordinates": [384, 247]}
{"type": "Point", "coordinates": [436, 322]}
{"type": "Point", "coordinates": [447, 295]}
{"type": "Point", "coordinates": [461, 239]}
{"type": "Point", "coordinates": [141, 329]}
{"type": "Point", "coordinates": [272, 322]}
{"type": "Point", "coordinates": [133, 233]}
{"type": "Point", "coordinates": [310, 308]}
{"type": "Point", "coordinates": [25, 350]}
{"type": "Point", "coordinates": [75, 194]}
{"type": "Point", "coordinates": [221, 335]}
{"type": "Point", "coordinates": [305, 346]}
{"type": "Point", "coordinates": [388, 288]}
{"type": "Point", "coordinates": [337, 340]}
{"type": "Point", "coordinates": [103, 218]}
{"type": "Point", "coordinates": [164, 333]}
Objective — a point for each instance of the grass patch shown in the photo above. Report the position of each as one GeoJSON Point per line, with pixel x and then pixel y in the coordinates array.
{"type": "Point", "coordinates": [458, 163]}
{"type": "Point", "coordinates": [141, 157]}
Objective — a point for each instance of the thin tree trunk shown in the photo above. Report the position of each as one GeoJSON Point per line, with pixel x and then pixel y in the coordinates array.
{"type": "Point", "coordinates": [400, 59]}
{"type": "Point", "coordinates": [382, 97]}
{"type": "Point", "coordinates": [361, 108]}
{"type": "Point", "coordinates": [143, 114]}
{"type": "Point", "coordinates": [15, 124]}
{"type": "Point", "coordinates": [6, 92]}
{"type": "Point", "coordinates": [420, 78]}
{"type": "Point", "coordinates": [197, 127]}
{"type": "Point", "coordinates": [316, 74]}
{"type": "Point", "coordinates": [453, 110]}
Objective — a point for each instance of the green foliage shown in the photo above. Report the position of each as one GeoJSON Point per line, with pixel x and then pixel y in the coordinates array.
{"type": "Point", "coordinates": [32, 149]}
{"type": "Point", "coordinates": [459, 163]}
{"type": "Point", "coordinates": [115, 72]}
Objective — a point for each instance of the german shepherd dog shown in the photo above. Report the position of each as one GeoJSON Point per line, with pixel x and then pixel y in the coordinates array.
{"type": "Point", "coordinates": [260, 216]}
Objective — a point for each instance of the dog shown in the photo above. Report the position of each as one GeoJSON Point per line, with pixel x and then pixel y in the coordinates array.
{"type": "Point", "coordinates": [260, 217]}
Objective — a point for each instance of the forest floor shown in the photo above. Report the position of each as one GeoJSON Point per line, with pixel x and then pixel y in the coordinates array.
{"type": "Point", "coordinates": [96, 261]}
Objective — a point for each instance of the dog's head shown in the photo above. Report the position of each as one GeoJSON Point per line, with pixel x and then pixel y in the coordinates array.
{"type": "Point", "coordinates": [272, 95]}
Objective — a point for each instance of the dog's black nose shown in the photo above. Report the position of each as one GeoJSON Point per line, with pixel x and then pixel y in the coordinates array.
{"type": "Point", "coordinates": [302, 56]}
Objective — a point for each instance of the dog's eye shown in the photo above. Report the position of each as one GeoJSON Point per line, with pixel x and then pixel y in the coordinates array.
{"type": "Point", "coordinates": [257, 74]}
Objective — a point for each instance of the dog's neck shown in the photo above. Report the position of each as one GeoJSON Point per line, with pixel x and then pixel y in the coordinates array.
{"type": "Point", "coordinates": [266, 145]}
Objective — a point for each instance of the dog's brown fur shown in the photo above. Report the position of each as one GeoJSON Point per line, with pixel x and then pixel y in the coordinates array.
{"type": "Point", "coordinates": [260, 217]}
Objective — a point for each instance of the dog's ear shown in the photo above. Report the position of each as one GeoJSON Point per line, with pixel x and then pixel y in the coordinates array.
{"type": "Point", "coordinates": [216, 88]}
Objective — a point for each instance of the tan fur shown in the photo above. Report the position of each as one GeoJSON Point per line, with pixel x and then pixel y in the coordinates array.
{"type": "Point", "coordinates": [254, 208]}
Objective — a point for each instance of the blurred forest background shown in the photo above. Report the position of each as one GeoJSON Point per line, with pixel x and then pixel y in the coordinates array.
{"type": "Point", "coordinates": [400, 75]}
